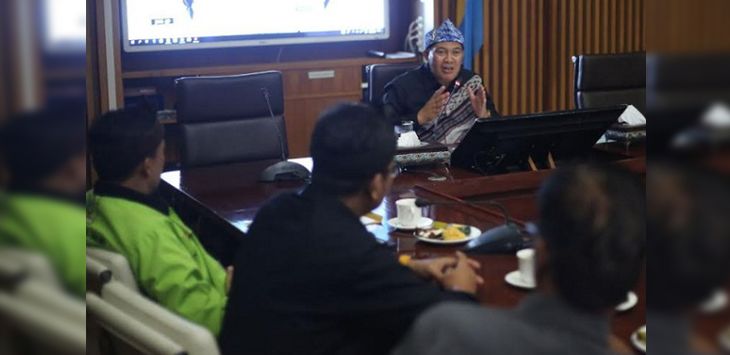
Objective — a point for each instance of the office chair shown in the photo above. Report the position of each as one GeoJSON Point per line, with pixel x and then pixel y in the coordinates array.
{"type": "Point", "coordinates": [194, 339]}
{"type": "Point", "coordinates": [603, 80]}
{"type": "Point", "coordinates": [23, 326]}
{"type": "Point", "coordinates": [379, 75]}
{"type": "Point", "coordinates": [234, 118]}
{"type": "Point", "coordinates": [33, 263]}
{"type": "Point", "coordinates": [97, 275]}
{"type": "Point", "coordinates": [114, 332]}
{"type": "Point", "coordinates": [117, 264]}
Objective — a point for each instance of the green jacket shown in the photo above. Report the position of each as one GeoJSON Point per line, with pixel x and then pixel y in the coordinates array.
{"type": "Point", "coordinates": [53, 226]}
{"type": "Point", "coordinates": [166, 257]}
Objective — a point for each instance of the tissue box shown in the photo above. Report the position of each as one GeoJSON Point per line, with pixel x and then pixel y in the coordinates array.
{"type": "Point", "coordinates": [622, 132]}
{"type": "Point", "coordinates": [430, 153]}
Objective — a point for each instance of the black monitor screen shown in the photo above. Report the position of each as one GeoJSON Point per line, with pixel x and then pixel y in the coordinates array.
{"type": "Point", "coordinates": [505, 144]}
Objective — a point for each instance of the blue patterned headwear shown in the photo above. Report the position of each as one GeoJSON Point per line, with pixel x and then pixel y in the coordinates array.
{"type": "Point", "coordinates": [447, 32]}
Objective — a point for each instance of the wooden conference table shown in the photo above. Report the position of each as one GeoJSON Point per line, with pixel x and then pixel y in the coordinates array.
{"type": "Point", "coordinates": [230, 195]}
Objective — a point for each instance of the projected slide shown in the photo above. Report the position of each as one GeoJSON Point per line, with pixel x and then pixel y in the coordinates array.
{"type": "Point", "coordinates": [65, 28]}
{"type": "Point", "coordinates": [215, 23]}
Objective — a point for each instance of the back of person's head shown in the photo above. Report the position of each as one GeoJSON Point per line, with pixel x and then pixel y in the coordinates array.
{"type": "Point", "coordinates": [592, 221]}
{"type": "Point", "coordinates": [121, 140]}
{"type": "Point", "coordinates": [351, 144]}
{"type": "Point", "coordinates": [37, 145]}
{"type": "Point", "coordinates": [688, 235]}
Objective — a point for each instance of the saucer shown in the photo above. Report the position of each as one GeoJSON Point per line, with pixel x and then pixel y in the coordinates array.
{"type": "Point", "coordinates": [514, 279]}
{"type": "Point", "coordinates": [715, 303]}
{"type": "Point", "coordinates": [424, 222]}
{"type": "Point", "coordinates": [636, 342]}
{"type": "Point", "coordinates": [631, 300]}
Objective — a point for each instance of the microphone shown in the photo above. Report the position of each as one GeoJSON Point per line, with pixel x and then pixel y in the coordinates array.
{"type": "Point", "coordinates": [265, 91]}
{"type": "Point", "coordinates": [457, 85]}
{"type": "Point", "coordinates": [504, 239]}
{"type": "Point", "coordinates": [283, 170]}
{"type": "Point", "coordinates": [421, 202]}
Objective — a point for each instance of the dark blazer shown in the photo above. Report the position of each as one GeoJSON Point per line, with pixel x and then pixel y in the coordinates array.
{"type": "Point", "coordinates": [310, 279]}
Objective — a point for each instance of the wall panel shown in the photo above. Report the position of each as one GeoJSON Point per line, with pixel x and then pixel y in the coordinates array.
{"type": "Point", "coordinates": [528, 45]}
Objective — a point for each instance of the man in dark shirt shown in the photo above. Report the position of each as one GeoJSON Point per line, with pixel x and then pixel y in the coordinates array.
{"type": "Point", "coordinates": [689, 246]}
{"type": "Point", "coordinates": [441, 98]}
{"type": "Point", "coordinates": [588, 256]}
{"type": "Point", "coordinates": [310, 279]}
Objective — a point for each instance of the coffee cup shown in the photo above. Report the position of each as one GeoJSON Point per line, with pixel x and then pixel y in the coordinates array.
{"type": "Point", "coordinates": [526, 262]}
{"type": "Point", "coordinates": [408, 213]}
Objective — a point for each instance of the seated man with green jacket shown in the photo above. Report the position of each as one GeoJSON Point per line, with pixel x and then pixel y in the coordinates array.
{"type": "Point", "coordinates": [42, 211]}
{"type": "Point", "coordinates": [127, 215]}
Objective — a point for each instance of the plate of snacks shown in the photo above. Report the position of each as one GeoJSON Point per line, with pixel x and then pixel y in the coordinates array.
{"type": "Point", "coordinates": [447, 233]}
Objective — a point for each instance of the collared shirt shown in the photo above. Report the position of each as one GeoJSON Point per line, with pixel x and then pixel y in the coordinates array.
{"type": "Point", "coordinates": [541, 324]}
{"type": "Point", "coordinates": [153, 200]}
{"type": "Point", "coordinates": [407, 94]}
{"type": "Point", "coordinates": [168, 261]}
{"type": "Point", "coordinates": [310, 279]}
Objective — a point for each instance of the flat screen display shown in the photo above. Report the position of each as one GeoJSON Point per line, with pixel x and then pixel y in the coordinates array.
{"type": "Point", "coordinates": [157, 25]}
{"type": "Point", "coordinates": [64, 26]}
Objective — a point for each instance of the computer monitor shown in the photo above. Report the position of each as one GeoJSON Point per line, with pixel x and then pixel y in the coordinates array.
{"type": "Point", "coordinates": [499, 145]}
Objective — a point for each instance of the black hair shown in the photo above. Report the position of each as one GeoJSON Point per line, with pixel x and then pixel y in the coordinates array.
{"type": "Point", "coordinates": [592, 220]}
{"type": "Point", "coordinates": [121, 140]}
{"type": "Point", "coordinates": [351, 143]}
{"type": "Point", "coordinates": [688, 235]}
{"type": "Point", "coordinates": [36, 145]}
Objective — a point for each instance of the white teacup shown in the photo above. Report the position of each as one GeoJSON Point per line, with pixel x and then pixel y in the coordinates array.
{"type": "Point", "coordinates": [526, 261]}
{"type": "Point", "coordinates": [408, 213]}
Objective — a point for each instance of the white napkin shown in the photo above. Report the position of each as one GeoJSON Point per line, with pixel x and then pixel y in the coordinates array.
{"type": "Point", "coordinates": [717, 116]}
{"type": "Point", "coordinates": [632, 117]}
{"type": "Point", "coordinates": [408, 140]}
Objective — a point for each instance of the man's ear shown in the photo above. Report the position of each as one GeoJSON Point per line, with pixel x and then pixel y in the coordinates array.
{"type": "Point", "coordinates": [376, 187]}
{"type": "Point", "coordinates": [146, 167]}
{"type": "Point", "coordinates": [542, 257]}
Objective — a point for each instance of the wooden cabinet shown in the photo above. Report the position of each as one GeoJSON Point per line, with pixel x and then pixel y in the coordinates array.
{"type": "Point", "coordinates": [309, 88]}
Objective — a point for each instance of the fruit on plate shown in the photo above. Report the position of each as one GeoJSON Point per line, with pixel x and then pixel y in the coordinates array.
{"type": "Point", "coordinates": [443, 231]}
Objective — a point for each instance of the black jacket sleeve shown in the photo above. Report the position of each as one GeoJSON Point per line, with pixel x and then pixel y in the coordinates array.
{"type": "Point", "coordinates": [395, 109]}
{"type": "Point", "coordinates": [385, 296]}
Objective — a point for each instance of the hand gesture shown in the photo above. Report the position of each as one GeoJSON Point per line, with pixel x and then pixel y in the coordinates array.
{"type": "Point", "coordinates": [431, 110]}
{"type": "Point", "coordinates": [432, 268]}
{"type": "Point", "coordinates": [462, 277]}
{"type": "Point", "coordinates": [478, 98]}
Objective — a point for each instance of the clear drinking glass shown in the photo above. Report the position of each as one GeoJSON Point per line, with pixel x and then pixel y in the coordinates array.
{"type": "Point", "coordinates": [404, 127]}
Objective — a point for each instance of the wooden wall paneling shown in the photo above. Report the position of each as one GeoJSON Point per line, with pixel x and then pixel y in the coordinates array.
{"type": "Point", "coordinates": [587, 27]}
{"type": "Point", "coordinates": [346, 81]}
{"type": "Point", "coordinates": [22, 50]}
{"type": "Point", "coordinates": [4, 77]}
{"type": "Point", "coordinates": [523, 71]}
{"type": "Point", "coordinates": [540, 37]}
{"type": "Point", "coordinates": [306, 98]}
{"type": "Point", "coordinates": [108, 41]}
{"type": "Point", "coordinates": [493, 55]}
{"type": "Point", "coordinates": [93, 102]}
{"type": "Point", "coordinates": [299, 127]}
